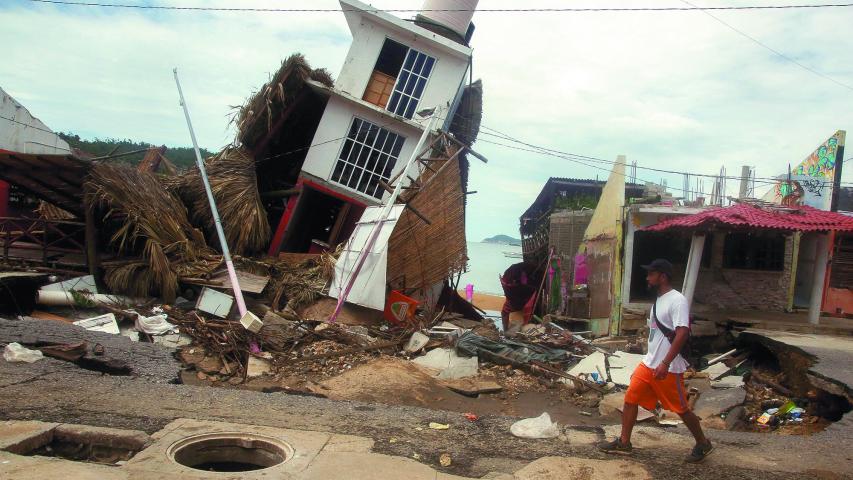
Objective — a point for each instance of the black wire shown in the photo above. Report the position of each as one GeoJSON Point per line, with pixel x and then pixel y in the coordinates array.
{"type": "Point", "coordinates": [771, 49]}
{"type": "Point", "coordinates": [411, 10]}
{"type": "Point", "coordinates": [562, 154]}
{"type": "Point", "coordinates": [27, 124]}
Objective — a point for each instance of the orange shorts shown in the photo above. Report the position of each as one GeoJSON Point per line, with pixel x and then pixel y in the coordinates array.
{"type": "Point", "coordinates": [646, 391]}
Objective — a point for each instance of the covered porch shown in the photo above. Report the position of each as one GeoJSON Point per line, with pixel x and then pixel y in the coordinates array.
{"type": "Point", "coordinates": [768, 265]}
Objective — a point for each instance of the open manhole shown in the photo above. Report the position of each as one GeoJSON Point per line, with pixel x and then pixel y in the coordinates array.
{"type": "Point", "coordinates": [230, 452]}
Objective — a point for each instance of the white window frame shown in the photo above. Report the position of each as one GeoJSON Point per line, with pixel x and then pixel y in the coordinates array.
{"type": "Point", "coordinates": [399, 92]}
{"type": "Point", "coordinates": [351, 173]}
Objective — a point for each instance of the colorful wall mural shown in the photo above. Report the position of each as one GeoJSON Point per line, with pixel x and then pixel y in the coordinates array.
{"type": "Point", "coordinates": [810, 182]}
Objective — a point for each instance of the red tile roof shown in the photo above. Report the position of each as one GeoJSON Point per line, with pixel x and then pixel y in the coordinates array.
{"type": "Point", "coordinates": [802, 219]}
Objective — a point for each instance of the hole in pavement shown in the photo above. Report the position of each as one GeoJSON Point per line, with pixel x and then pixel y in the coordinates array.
{"type": "Point", "coordinates": [234, 452]}
{"type": "Point", "coordinates": [82, 449]}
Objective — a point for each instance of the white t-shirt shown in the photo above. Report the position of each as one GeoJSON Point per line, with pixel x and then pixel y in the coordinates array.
{"type": "Point", "coordinates": [672, 312]}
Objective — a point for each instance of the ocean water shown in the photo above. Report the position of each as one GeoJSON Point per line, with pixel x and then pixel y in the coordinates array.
{"type": "Point", "coordinates": [486, 262]}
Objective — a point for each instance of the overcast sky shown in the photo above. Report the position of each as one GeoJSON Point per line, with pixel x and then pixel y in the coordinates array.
{"type": "Point", "coordinates": [672, 90]}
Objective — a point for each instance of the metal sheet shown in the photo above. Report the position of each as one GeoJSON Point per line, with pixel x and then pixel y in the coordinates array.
{"type": "Point", "coordinates": [369, 288]}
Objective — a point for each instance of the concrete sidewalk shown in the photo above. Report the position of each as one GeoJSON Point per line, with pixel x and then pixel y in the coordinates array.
{"type": "Point", "coordinates": [314, 456]}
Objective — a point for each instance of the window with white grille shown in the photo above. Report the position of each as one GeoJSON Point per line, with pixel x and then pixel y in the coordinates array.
{"type": "Point", "coordinates": [368, 155]}
{"type": "Point", "coordinates": [410, 83]}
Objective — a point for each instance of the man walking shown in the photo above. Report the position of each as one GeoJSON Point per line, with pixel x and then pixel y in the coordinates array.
{"type": "Point", "coordinates": [659, 378]}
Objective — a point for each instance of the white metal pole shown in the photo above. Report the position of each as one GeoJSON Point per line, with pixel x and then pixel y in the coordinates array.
{"type": "Point", "coordinates": [232, 273]}
{"type": "Point", "coordinates": [383, 217]}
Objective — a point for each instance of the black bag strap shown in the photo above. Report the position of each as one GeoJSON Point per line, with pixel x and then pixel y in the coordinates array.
{"type": "Point", "coordinates": [668, 333]}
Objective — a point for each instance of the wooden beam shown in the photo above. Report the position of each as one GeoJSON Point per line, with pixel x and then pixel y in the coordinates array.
{"type": "Point", "coordinates": [339, 225]}
{"type": "Point", "coordinates": [281, 193]}
{"type": "Point", "coordinates": [413, 209]}
{"type": "Point", "coordinates": [43, 191]}
{"type": "Point", "coordinates": [53, 171]}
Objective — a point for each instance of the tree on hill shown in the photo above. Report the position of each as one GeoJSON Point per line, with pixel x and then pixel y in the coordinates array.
{"type": "Point", "coordinates": [182, 157]}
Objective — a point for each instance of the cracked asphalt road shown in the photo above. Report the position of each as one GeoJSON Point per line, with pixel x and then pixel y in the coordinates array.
{"type": "Point", "coordinates": [57, 391]}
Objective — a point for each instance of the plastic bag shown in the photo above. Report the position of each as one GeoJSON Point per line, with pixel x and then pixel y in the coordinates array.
{"type": "Point", "coordinates": [15, 352]}
{"type": "Point", "coordinates": [156, 325]}
{"type": "Point", "coordinates": [539, 427]}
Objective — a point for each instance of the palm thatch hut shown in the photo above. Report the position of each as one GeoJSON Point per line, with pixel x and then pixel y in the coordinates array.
{"type": "Point", "coordinates": [148, 224]}
{"type": "Point", "coordinates": [234, 185]}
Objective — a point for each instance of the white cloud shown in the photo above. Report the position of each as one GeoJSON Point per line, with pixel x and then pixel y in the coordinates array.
{"type": "Point", "coordinates": [673, 90]}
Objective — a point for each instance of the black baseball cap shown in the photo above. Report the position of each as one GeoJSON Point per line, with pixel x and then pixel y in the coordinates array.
{"type": "Point", "coordinates": [659, 265]}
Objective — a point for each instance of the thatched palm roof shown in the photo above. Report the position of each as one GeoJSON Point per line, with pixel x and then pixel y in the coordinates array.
{"type": "Point", "coordinates": [256, 117]}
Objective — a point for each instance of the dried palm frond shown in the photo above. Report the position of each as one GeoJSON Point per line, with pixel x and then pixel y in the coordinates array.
{"type": "Point", "coordinates": [49, 211]}
{"type": "Point", "coordinates": [153, 226]}
{"type": "Point", "coordinates": [255, 117]}
{"type": "Point", "coordinates": [233, 181]}
{"type": "Point", "coordinates": [297, 285]}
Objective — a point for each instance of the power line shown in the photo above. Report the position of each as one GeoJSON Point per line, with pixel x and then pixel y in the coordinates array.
{"type": "Point", "coordinates": [580, 162]}
{"type": "Point", "coordinates": [412, 10]}
{"type": "Point", "coordinates": [562, 154]}
{"type": "Point", "coordinates": [769, 48]}
{"type": "Point", "coordinates": [27, 125]}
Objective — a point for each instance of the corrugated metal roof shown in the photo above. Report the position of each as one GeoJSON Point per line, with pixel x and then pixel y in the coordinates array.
{"type": "Point", "coordinates": [801, 219]}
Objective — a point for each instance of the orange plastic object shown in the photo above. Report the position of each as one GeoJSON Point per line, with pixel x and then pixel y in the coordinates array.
{"type": "Point", "coordinates": [400, 309]}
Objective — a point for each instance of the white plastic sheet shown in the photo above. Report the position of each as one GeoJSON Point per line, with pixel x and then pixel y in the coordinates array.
{"type": "Point", "coordinates": [539, 427]}
{"type": "Point", "coordinates": [15, 352]}
{"type": "Point", "coordinates": [154, 325]}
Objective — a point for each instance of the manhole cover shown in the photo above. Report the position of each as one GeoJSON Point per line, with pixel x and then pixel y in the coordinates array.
{"type": "Point", "coordinates": [229, 452]}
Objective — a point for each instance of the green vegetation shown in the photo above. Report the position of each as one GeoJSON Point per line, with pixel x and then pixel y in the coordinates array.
{"type": "Point", "coordinates": [575, 202]}
{"type": "Point", "coordinates": [503, 240]}
{"type": "Point", "coordinates": [182, 157]}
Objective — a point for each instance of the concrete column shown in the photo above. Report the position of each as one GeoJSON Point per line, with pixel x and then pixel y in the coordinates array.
{"type": "Point", "coordinates": [694, 261]}
{"type": "Point", "coordinates": [628, 264]}
{"type": "Point", "coordinates": [819, 276]}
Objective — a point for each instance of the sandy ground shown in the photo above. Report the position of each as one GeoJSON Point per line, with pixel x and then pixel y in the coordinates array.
{"type": "Point", "coordinates": [486, 301]}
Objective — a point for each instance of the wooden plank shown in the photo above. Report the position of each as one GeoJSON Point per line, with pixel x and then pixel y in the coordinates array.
{"type": "Point", "coordinates": [249, 282]}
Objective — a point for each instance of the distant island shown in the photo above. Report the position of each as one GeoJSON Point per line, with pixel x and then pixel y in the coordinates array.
{"type": "Point", "coordinates": [503, 240]}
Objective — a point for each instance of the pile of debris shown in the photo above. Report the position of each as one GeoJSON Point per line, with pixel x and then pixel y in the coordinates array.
{"type": "Point", "coordinates": [743, 390]}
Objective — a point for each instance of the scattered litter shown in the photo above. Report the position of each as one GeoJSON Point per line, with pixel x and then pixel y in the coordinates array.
{"type": "Point", "coordinates": [251, 322]}
{"type": "Point", "coordinates": [74, 298]}
{"type": "Point", "coordinates": [717, 371]}
{"type": "Point", "coordinates": [588, 365]}
{"type": "Point", "coordinates": [585, 414]}
{"type": "Point", "coordinates": [70, 352]}
{"type": "Point", "coordinates": [154, 325]}
{"type": "Point", "coordinates": [173, 340]}
{"type": "Point", "coordinates": [539, 427]}
{"type": "Point", "coordinates": [214, 302]}
{"type": "Point", "coordinates": [445, 460]}
{"type": "Point", "coordinates": [103, 323]}
{"type": "Point", "coordinates": [416, 342]}
{"type": "Point", "coordinates": [15, 352]}
{"type": "Point", "coordinates": [730, 381]}
{"type": "Point", "coordinates": [81, 284]}
{"type": "Point", "coordinates": [439, 426]}
{"type": "Point", "coordinates": [416, 456]}
{"type": "Point", "coordinates": [448, 364]}
{"type": "Point", "coordinates": [258, 365]}
{"type": "Point", "coordinates": [722, 357]}
{"type": "Point", "coordinates": [472, 417]}
{"type": "Point", "coordinates": [622, 366]}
